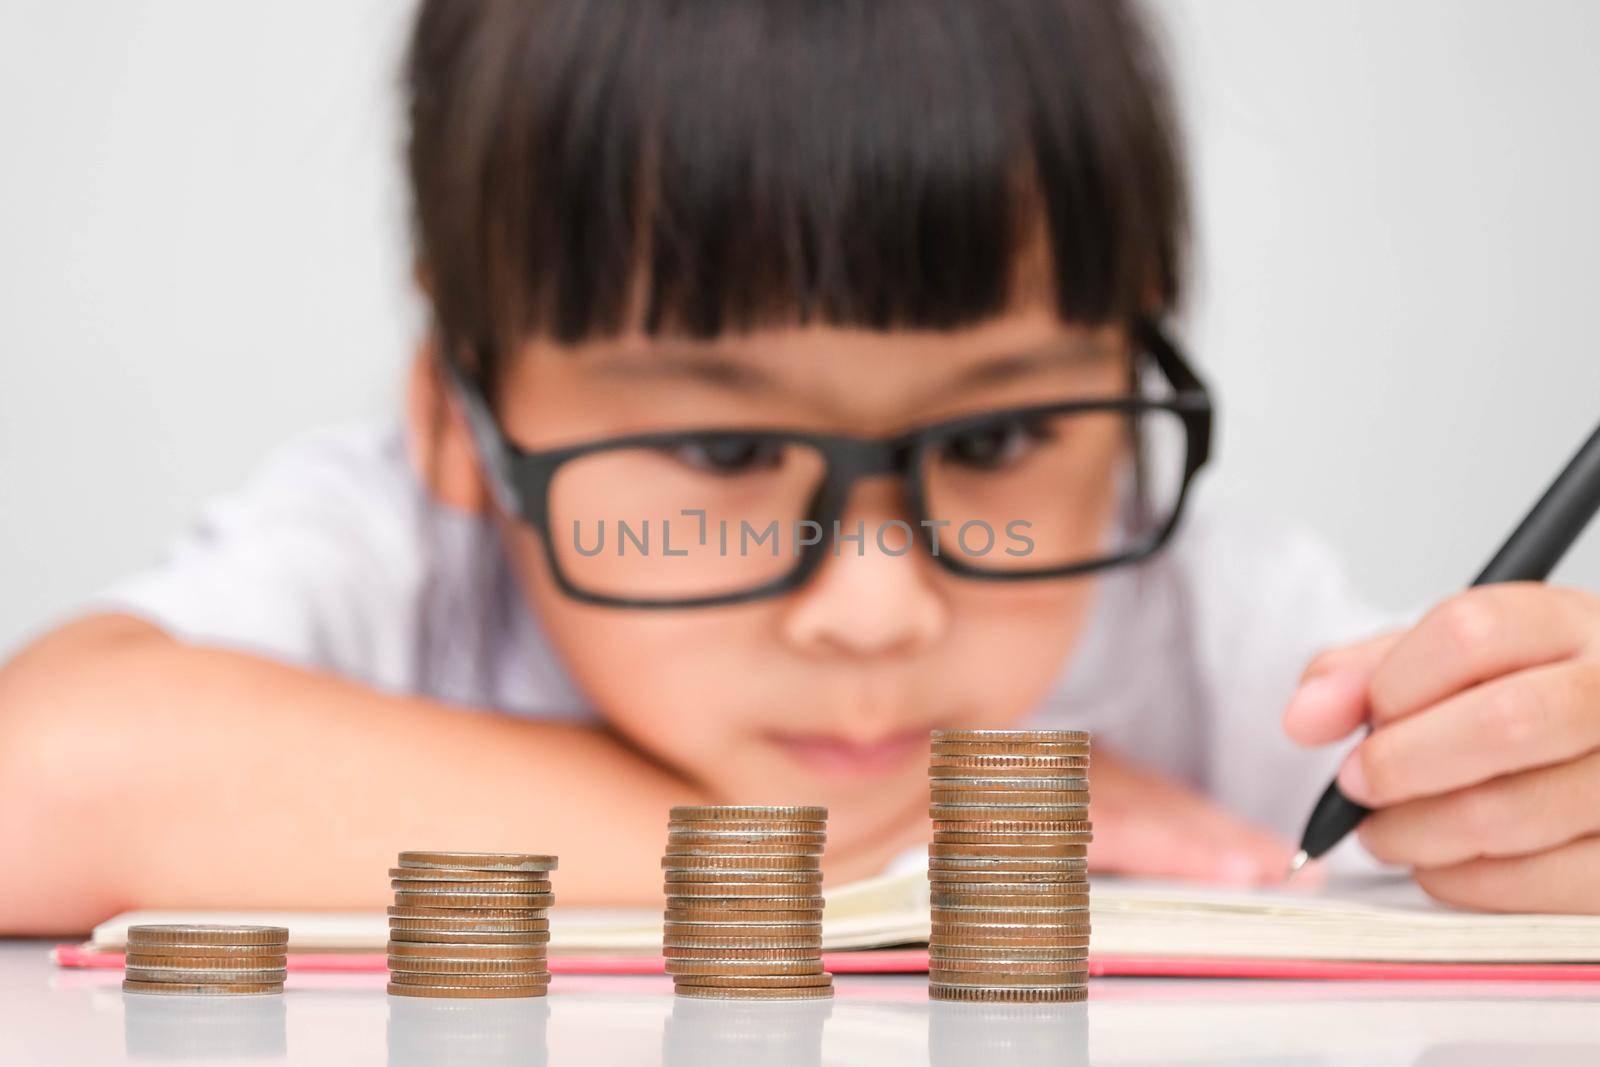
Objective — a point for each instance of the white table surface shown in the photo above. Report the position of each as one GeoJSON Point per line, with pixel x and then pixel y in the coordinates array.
{"type": "Point", "coordinates": [54, 1016]}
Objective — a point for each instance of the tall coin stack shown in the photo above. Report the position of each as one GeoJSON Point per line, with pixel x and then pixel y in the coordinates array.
{"type": "Point", "coordinates": [744, 902]}
{"type": "Point", "coordinates": [1008, 866]}
{"type": "Point", "coordinates": [206, 960]}
{"type": "Point", "coordinates": [470, 924]}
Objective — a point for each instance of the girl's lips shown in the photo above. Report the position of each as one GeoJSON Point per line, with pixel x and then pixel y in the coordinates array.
{"type": "Point", "coordinates": [833, 755]}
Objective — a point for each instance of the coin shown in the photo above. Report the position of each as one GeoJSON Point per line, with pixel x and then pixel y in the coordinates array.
{"type": "Point", "coordinates": [961, 897]}
{"type": "Point", "coordinates": [539, 902]}
{"type": "Point", "coordinates": [1000, 741]}
{"type": "Point", "coordinates": [716, 912]}
{"type": "Point", "coordinates": [748, 907]}
{"type": "Point", "coordinates": [401, 990]}
{"type": "Point", "coordinates": [466, 874]}
{"type": "Point", "coordinates": [711, 917]}
{"type": "Point", "coordinates": [984, 851]}
{"type": "Point", "coordinates": [944, 749]}
{"type": "Point", "coordinates": [721, 874]}
{"type": "Point", "coordinates": [677, 943]}
{"type": "Point", "coordinates": [530, 968]}
{"type": "Point", "coordinates": [1012, 995]}
{"type": "Point", "coordinates": [480, 861]}
{"type": "Point", "coordinates": [812, 965]}
{"type": "Point", "coordinates": [948, 837]}
{"type": "Point", "coordinates": [746, 951]}
{"type": "Point", "coordinates": [1072, 883]}
{"type": "Point", "coordinates": [1023, 892]}
{"type": "Point", "coordinates": [1004, 748]}
{"type": "Point", "coordinates": [1008, 863]}
{"type": "Point", "coordinates": [690, 850]}
{"type": "Point", "coordinates": [753, 981]}
{"type": "Point", "coordinates": [1036, 737]}
{"type": "Point", "coordinates": [995, 978]}
{"type": "Point", "coordinates": [1042, 970]}
{"type": "Point", "coordinates": [1011, 826]}
{"type": "Point", "coordinates": [981, 800]}
{"type": "Point", "coordinates": [952, 813]}
{"type": "Point", "coordinates": [978, 913]}
{"type": "Point", "coordinates": [751, 993]}
{"type": "Point", "coordinates": [232, 976]}
{"type": "Point", "coordinates": [468, 952]}
{"type": "Point", "coordinates": [187, 934]}
{"type": "Point", "coordinates": [430, 936]}
{"type": "Point", "coordinates": [435, 888]}
{"type": "Point", "coordinates": [978, 811]}
{"type": "Point", "coordinates": [1041, 934]}
{"type": "Point", "coordinates": [747, 812]}
{"type": "Point", "coordinates": [688, 857]}
{"type": "Point", "coordinates": [774, 830]}
{"type": "Point", "coordinates": [1018, 954]}
{"type": "Point", "coordinates": [201, 989]}
{"type": "Point", "coordinates": [1019, 783]}
{"type": "Point", "coordinates": [1000, 946]}
{"type": "Point", "coordinates": [486, 981]}
{"type": "Point", "coordinates": [204, 963]}
{"type": "Point", "coordinates": [496, 918]}
{"type": "Point", "coordinates": [1016, 766]}
{"type": "Point", "coordinates": [741, 927]}
{"type": "Point", "coordinates": [707, 861]}
{"type": "Point", "coordinates": [397, 926]}
{"type": "Point", "coordinates": [1044, 920]}
{"type": "Point", "coordinates": [786, 838]}
{"type": "Point", "coordinates": [977, 878]}
{"type": "Point", "coordinates": [209, 952]}
{"type": "Point", "coordinates": [788, 890]}
{"type": "Point", "coordinates": [741, 911]}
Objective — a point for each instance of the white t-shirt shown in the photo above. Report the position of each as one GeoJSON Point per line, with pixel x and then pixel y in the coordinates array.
{"type": "Point", "coordinates": [333, 557]}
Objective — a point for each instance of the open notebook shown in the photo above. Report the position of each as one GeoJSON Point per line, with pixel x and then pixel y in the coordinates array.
{"type": "Point", "coordinates": [1383, 920]}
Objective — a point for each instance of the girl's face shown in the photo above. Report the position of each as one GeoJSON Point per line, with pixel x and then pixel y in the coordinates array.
{"type": "Point", "coordinates": [825, 694]}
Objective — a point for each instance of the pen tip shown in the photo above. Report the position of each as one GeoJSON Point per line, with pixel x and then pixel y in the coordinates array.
{"type": "Point", "coordinates": [1301, 858]}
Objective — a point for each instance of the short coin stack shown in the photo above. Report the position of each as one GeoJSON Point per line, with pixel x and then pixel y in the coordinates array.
{"type": "Point", "coordinates": [744, 902]}
{"type": "Point", "coordinates": [205, 960]}
{"type": "Point", "coordinates": [470, 924]}
{"type": "Point", "coordinates": [1009, 882]}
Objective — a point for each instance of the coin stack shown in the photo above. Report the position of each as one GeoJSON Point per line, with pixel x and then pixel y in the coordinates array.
{"type": "Point", "coordinates": [1009, 883]}
{"type": "Point", "coordinates": [205, 960]}
{"type": "Point", "coordinates": [744, 902]}
{"type": "Point", "coordinates": [470, 924]}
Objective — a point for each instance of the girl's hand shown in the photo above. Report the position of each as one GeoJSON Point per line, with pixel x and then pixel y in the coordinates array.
{"type": "Point", "coordinates": [1484, 758]}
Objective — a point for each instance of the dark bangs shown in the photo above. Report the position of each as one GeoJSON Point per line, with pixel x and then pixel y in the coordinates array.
{"type": "Point", "coordinates": [582, 167]}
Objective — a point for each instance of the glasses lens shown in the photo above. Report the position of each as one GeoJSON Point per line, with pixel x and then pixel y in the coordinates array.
{"type": "Point", "coordinates": [708, 517]}
{"type": "Point", "coordinates": [1036, 493]}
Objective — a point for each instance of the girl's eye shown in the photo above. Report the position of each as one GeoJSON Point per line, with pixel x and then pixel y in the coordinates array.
{"type": "Point", "coordinates": [729, 455]}
{"type": "Point", "coordinates": [996, 445]}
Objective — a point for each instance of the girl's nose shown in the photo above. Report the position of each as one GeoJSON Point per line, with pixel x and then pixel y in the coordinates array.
{"type": "Point", "coordinates": [872, 597]}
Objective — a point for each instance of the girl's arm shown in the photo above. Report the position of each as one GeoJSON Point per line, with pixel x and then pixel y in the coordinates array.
{"type": "Point", "coordinates": [137, 771]}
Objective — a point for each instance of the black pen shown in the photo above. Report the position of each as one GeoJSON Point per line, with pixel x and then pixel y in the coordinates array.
{"type": "Point", "coordinates": [1529, 555]}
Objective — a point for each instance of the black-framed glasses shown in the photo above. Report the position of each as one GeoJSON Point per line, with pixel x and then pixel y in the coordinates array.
{"type": "Point", "coordinates": [702, 517]}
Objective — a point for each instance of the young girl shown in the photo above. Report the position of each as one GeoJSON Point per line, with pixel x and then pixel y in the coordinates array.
{"type": "Point", "coordinates": [798, 383]}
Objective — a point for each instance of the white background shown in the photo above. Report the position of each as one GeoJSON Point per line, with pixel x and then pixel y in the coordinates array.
{"type": "Point", "coordinates": [203, 250]}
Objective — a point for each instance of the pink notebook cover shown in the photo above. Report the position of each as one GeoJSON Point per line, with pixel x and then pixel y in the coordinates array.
{"type": "Point", "coordinates": [913, 961]}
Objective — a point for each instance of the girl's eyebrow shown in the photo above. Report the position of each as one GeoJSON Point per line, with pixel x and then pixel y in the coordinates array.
{"type": "Point", "coordinates": [1055, 355]}
{"type": "Point", "coordinates": [745, 376]}
{"type": "Point", "coordinates": [705, 367]}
